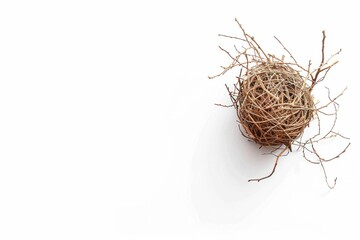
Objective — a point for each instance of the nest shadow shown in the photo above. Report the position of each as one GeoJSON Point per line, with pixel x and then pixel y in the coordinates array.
{"type": "Point", "coordinates": [222, 165]}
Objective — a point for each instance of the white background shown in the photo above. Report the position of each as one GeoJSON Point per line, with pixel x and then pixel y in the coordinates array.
{"type": "Point", "coordinates": [108, 128]}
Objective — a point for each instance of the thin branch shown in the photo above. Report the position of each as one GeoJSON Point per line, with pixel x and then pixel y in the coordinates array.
{"type": "Point", "coordinates": [286, 50]}
{"type": "Point", "coordinates": [273, 170]}
{"type": "Point", "coordinates": [321, 63]}
{"type": "Point", "coordinates": [222, 105]}
{"type": "Point", "coordinates": [323, 168]}
{"type": "Point", "coordinates": [227, 36]}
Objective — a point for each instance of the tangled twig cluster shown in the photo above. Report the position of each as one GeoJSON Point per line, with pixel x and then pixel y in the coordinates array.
{"type": "Point", "coordinates": [274, 104]}
{"type": "Point", "coordinates": [273, 99]}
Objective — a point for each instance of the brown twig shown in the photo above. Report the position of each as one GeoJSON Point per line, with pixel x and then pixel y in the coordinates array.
{"type": "Point", "coordinates": [227, 36]}
{"type": "Point", "coordinates": [286, 50]}
{"type": "Point", "coordinates": [222, 105]}
{"type": "Point", "coordinates": [323, 168]}
{"type": "Point", "coordinates": [273, 170]}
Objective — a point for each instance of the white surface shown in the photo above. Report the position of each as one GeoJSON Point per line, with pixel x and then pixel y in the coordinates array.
{"type": "Point", "coordinates": [108, 128]}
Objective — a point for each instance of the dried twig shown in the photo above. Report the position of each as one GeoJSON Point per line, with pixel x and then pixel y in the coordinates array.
{"type": "Point", "coordinates": [273, 170]}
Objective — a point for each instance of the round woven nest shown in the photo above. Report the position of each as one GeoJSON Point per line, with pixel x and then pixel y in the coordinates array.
{"type": "Point", "coordinates": [273, 101]}
{"type": "Point", "coordinates": [274, 104]}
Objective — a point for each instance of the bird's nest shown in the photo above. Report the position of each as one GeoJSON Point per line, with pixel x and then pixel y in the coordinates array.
{"type": "Point", "coordinates": [273, 99]}
{"type": "Point", "coordinates": [274, 104]}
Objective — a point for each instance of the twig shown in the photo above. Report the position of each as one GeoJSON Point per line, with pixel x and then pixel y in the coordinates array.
{"type": "Point", "coordinates": [222, 105]}
{"type": "Point", "coordinates": [321, 63]}
{"type": "Point", "coordinates": [286, 50]}
{"type": "Point", "coordinates": [227, 36]}
{"type": "Point", "coordinates": [273, 170]}
{"type": "Point", "coordinates": [323, 168]}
